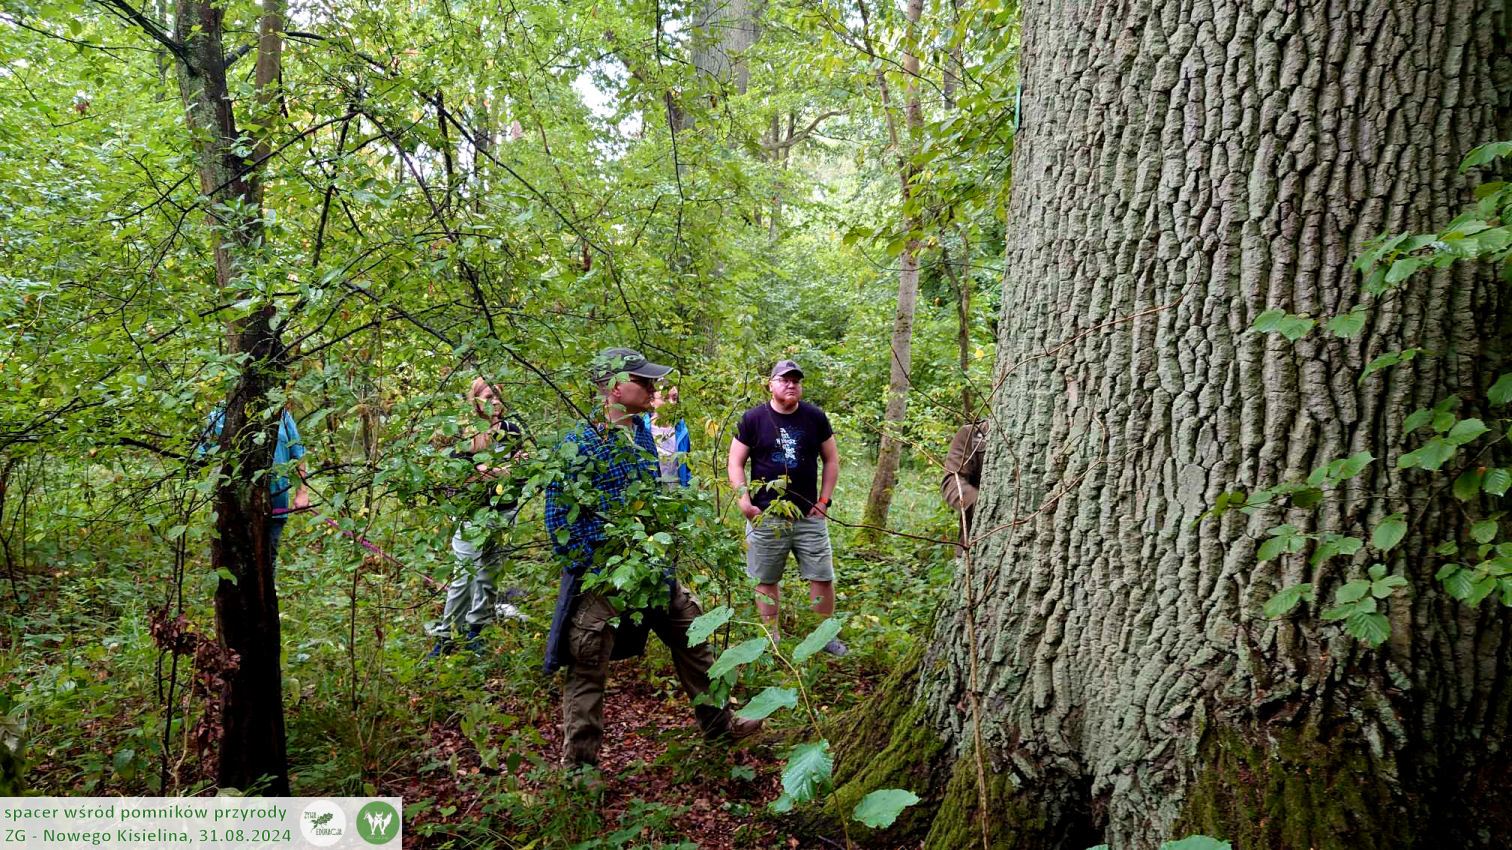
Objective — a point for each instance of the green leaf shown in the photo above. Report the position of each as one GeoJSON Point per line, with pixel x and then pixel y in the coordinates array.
{"type": "Point", "coordinates": [1197, 842]}
{"type": "Point", "coordinates": [1432, 455]}
{"type": "Point", "coordinates": [1383, 588]}
{"type": "Point", "coordinates": [1333, 544]}
{"type": "Point", "coordinates": [1346, 325]}
{"type": "Point", "coordinates": [708, 623]}
{"type": "Point", "coordinates": [767, 702]}
{"type": "Point", "coordinates": [816, 640]}
{"type": "Point", "coordinates": [1496, 481]}
{"type": "Point", "coordinates": [1446, 571]}
{"type": "Point", "coordinates": [1282, 603]}
{"type": "Point", "coordinates": [807, 772]}
{"type": "Point", "coordinates": [1468, 485]}
{"type": "Point", "coordinates": [1389, 532]}
{"type": "Point", "coordinates": [1351, 466]}
{"type": "Point", "coordinates": [740, 653]}
{"type": "Point", "coordinates": [1370, 628]}
{"type": "Point", "coordinates": [1465, 431]}
{"type": "Point", "coordinates": [1279, 321]}
{"type": "Point", "coordinates": [783, 804]}
{"type": "Point", "coordinates": [1483, 531]}
{"type": "Point", "coordinates": [1417, 419]}
{"type": "Point", "coordinates": [1501, 391]}
{"type": "Point", "coordinates": [879, 809]}
{"type": "Point", "coordinates": [1308, 497]}
{"type": "Point", "coordinates": [1460, 584]}
{"type": "Point", "coordinates": [1352, 591]}
{"type": "Point", "coordinates": [1402, 269]}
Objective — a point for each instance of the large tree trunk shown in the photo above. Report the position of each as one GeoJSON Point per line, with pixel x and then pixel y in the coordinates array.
{"type": "Point", "coordinates": [1190, 166]}
{"type": "Point", "coordinates": [252, 748]}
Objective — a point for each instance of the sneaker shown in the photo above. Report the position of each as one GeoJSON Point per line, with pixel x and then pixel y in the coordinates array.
{"type": "Point", "coordinates": [836, 648]}
{"type": "Point", "coordinates": [506, 611]}
{"type": "Point", "coordinates": [474, 641]}
{"type": "Point", "coordinates": [442, 647]}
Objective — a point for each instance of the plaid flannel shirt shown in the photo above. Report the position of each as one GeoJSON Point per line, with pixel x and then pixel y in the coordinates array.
{"type": "Point", "coordinates": [610, 464]}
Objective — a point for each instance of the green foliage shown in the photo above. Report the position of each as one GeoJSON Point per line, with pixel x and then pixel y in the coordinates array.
{"type": "Point", "coordinates": [1479, 234]}
{"type": "Point", "coordinates": [880, 808]}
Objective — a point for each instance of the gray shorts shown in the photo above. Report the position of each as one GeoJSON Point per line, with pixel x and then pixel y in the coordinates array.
{"type": "Point", "coordinates": [769, 542]}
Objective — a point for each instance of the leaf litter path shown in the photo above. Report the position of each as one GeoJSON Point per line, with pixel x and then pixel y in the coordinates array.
{"type": "Point", "coordinates": [713, 795]}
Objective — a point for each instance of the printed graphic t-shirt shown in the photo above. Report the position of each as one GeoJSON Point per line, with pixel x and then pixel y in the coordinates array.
{"type": "Point", "coordinates": [785, 444]}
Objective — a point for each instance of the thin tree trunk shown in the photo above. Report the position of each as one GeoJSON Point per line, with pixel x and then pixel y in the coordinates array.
{"type": "Point", "coordinates": [252, 747]}
{"type": "Point", "coordinates": [900, 359]}
{"type": "Point", "coordinates": [1180, 169]}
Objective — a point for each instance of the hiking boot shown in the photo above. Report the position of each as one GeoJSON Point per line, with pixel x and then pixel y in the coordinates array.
{"type": "Point", "coordinates": [513, 593]}
{"type": "Point", "coordinates": [443, 647]}
{"type": "Point", "coordinates": [738, 729]}
{"type": "Point", "coordinates": [836, 648]}
{"type": "Point", "coordinates": [741, 728]}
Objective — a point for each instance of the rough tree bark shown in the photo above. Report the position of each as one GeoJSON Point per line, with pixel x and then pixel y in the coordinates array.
{"type": "Point", "coordinates": [1192, 165]}
{"type": "Point", "coordinates": [252, 748]}
{"type": "Point", "coordinates": [900, 347]}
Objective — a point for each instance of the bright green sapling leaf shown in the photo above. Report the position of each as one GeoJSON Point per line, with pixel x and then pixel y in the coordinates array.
{"type": "Point", "coordinates": [1287, 599]}
{"type": "Point", "coordinates": [1389, 532]}
{"type": "Point", "coordinates": [708, 623]}
{"type": "Point", "coordinates": [740, 653]}
{"type": "Point", "coordinates": [1370, 628]}
{"type": "Point", "coordinates": [767, 702]}
{"type": "Point", "coordinates": [1483, 531]}
{"type": "Point", "coordinates": [1465, 431]}
{"type": "Point", "coordinates": [1501, 391]}
{"type": "Point", "coordinates": [816, 640]}
{"type": "Point", "coordinates": [1432, 455]}
{"type": "Point", "coordinates": [1346, 325]}
{"type": "Point", "coordinates": [1496, 481]}
{"type": "Point", "coordinates": [879, 809]}
{"type": "Point", "coordinates": [807, 772]}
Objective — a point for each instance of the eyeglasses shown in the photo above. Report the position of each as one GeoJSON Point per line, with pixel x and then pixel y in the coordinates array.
{"type": "Point", "coordinates": [648, 383]}
{"type": "Point", "coordinates": [784, 379]}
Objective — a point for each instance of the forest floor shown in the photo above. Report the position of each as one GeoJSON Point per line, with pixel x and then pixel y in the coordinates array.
{"type": "Point", "coordinates": [470, 743]}
{"type": "Point", "coordinates": [662, 785]}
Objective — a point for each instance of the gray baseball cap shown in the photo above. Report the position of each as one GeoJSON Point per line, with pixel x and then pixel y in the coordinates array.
{"type": "Point", "coordinates": [783, 367]}
{"type": "Point", "coordinates": [613, 361]}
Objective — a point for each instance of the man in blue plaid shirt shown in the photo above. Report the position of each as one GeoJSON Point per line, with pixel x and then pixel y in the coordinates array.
{"type": "Point", "coordinates": [613, 453]}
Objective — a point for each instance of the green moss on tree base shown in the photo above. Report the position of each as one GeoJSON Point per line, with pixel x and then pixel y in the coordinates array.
{"type": "Point", "coordinates": [885, 743]}
{"type": "Point", "coordinates": [1288, 787]}
{"type": "Point", "coordinates": [956, 821]}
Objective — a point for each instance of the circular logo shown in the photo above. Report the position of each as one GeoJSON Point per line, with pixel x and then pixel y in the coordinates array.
{"type": "Point", "coordinates": [322, 823]}
{"type": "Point", "coordinates": [377, 822]}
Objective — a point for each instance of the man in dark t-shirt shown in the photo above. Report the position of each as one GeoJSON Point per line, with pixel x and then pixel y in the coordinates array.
{"type": "Point", "coordinates": [786, 505]}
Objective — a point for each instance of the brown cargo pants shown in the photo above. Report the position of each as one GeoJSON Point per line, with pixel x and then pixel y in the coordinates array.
{"type": "Point", "coordinates": [591, 638]}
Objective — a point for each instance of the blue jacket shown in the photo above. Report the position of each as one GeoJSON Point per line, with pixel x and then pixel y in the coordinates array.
{"type": "Point", "coordinates": [684, 445]}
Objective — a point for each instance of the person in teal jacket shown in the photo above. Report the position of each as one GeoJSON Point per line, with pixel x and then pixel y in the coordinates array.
{"type": "Point", "coordinates": [672, 441]}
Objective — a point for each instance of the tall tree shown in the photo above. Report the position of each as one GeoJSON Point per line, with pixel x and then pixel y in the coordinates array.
{"type": "Point", "coordinates": [1104, 671]}
{"type": "Point", "coordinates": [230, 164]}
{"type": "Point", "coordinates": [900, 348]}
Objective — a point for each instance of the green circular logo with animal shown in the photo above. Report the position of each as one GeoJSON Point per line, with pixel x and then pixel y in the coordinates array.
{"type": "Point", "coordinates": [377, 822]}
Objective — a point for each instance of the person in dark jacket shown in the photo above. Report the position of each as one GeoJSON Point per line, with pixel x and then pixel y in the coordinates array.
{"type": "Point", "coordinates": [612, 453]}
{"type": "Point", "coordinates": [963, 470]}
